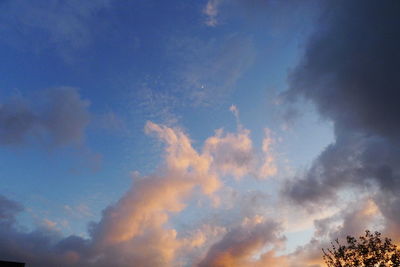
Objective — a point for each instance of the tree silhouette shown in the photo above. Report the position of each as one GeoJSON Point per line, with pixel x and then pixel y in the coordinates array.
{"type": "Point", "coordinates": [369, 251]}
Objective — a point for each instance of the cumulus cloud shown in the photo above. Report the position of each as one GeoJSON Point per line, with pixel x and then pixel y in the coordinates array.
{"type": "Point", "coordinates": [232, 152]}
{"type": "Point", "coordinates": [137, 221]}
{"type": "Point", "coordinates": [137, 227]}
{"type": "Point", "coordinates": [58, 114]}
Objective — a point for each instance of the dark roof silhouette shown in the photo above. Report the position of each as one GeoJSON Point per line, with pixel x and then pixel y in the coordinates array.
{"type": "Point", "coordinates": [11, 264]}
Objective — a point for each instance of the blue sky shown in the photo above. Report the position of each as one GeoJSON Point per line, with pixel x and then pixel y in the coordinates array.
{"type": "Point", "coordinates": [82, 80]}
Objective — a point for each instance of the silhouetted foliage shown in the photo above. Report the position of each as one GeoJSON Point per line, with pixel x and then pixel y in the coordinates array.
{"type": "Point", "coordinates": [369, 251]}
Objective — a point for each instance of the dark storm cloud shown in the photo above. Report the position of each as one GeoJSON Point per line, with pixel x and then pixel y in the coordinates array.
{"type": "Point", "coordinates": [341, 163]}
{"type": "Point", "coordinates": [350, 69]}
{"type": "Point", "coordinates": [59, 114]}
{"type": "Point", "coordinates": [350, 72]}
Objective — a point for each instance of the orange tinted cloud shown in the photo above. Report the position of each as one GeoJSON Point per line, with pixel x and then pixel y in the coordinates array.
{"type": "Point", "coordinates": [240, 246]}
{"type": "Point", "coordinates": [268, 167]}
{"type": "Point", "coordinates": [137, 228]}
{"type": "Point", "coordinates": [140, 217]}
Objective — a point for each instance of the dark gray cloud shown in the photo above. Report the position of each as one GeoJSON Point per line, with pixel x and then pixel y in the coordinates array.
{"type": "Point", "coordinates": [37, 248]}
{"type": "Point", "coordinates": [41, 247]}
{"type": "Point", "coordinates": [350, 72]}
{"type": "Point", "coordinates": [339, 164]}
{"type": "Point", "coordinates": [57, 117]}
{"type": "Point", "coordinates": [350, 67]}
{"type": "Point", "coordinates": [46, 246]}
{"type": "Point", "coordinates": [8, 210]}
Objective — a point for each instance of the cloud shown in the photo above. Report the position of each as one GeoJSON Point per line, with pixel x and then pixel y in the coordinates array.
{"type": "Point", "coordinates": [113, 123]}
{"type": "Point", "coordinates": [362, 214]}
{"type": "Point", "coordinates": [235, 111]}
{"type": "Point", "coordinates": [319, 183]}
{"type": "Point", "coordinates": [157, 104]}
{"type": "Point", "coordinates": [268, 13]}
{"type": "Point", "coordinates": [358, 97]}
{"type": "Point", "coordinates": [241, 244]}
{"type": "Point", "coordinates": [349, 72]}
{"type": "Point", "coordinates": [232, 153]}
{"type": "Point", "coordinates": [39, 247]}
{"type": "Point", "coordinates": [137, 221]}
{"type": "Point", "coordinates": [211, 11]}
{"type": "Point", "coordinates": [8, 210]}
{"type": "Point", "coordinates": [50, 23]}
{"type": "Point", "coordinates": [268, 167]}
{"type": "Point", "coordinates": [137, 228]}
{"type": "Point", "coordinates": [204, 72]}
{"type": "Point", "coordinates": [207, 70]}
{"type": "Point", "coordinates": [78, 211]}
{"type": "Point", "coordinates": [57, 116]}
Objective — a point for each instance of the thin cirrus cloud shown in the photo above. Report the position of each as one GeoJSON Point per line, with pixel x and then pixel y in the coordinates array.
{"type": "Point", "coordinates": [208, 70]}
{"type": "Point", "coordinates": [203, 74]}
{"type": "Point", "coordinates": [56, 24]}
{"type": "Point", "coordinates": [136, 228]}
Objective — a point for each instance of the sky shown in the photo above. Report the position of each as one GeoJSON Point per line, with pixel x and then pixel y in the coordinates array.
{"type": "Point", "coordinates": [207, 133]}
